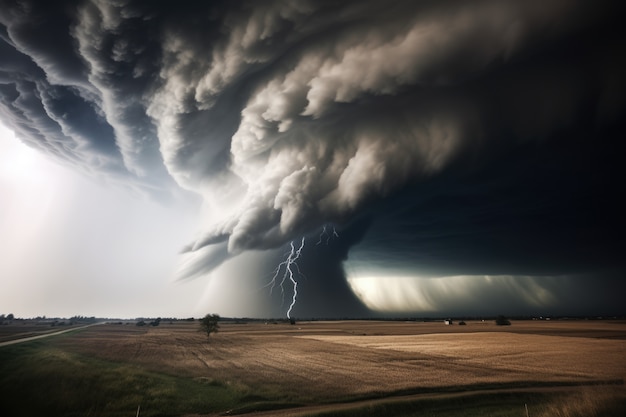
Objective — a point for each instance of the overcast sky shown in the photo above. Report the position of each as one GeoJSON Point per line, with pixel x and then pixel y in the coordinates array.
{"type": "Point", "coordinates": [418, 158]}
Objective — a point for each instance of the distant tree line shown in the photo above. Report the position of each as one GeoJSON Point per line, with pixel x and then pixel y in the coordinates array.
{"type": "Point", "coordinates": [82, 319]}
{"type": "Point", "coordinates": [153, 323]}
{"type": "Point", "coordinates": [6, 319]}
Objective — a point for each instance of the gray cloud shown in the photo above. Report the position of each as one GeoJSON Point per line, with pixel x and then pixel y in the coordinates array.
{"type": "Point", "coordinates": [286, 116]}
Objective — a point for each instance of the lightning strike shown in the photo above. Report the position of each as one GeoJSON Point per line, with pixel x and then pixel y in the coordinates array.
{"type": "Point", "coordinates": [290, 267]}
{"type": "Point", "coordinates": [326, 235]}
{"type": "Point", "coordinates": [322, 234]}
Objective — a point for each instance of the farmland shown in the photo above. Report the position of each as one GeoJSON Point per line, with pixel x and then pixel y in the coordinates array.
{"type": "Point", "coordinates": [312, 367]}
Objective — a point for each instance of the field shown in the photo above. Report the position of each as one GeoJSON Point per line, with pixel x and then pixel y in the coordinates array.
{"type": "Point", "coordinates": [321, 368]}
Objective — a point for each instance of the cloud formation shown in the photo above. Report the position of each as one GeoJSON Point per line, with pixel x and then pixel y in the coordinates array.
{"type": "Point", "coordinates": [286, 116]}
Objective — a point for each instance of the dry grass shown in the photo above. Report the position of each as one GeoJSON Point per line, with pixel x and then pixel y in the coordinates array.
{"type": "Point", "coordinates": [587, 402]}
{"type": "Point", "coordinates": [330, 361]}
{"type": "Point", "coordinates": [499, 357]}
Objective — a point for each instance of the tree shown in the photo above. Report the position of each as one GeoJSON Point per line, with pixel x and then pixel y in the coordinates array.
{"type": "Point", "coordinates": [502, 321]}
{"type": "Point", "coordinates": [209, 324]}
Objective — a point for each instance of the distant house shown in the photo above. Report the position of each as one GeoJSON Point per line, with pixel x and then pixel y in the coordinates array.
{"type": "Point", "coordinates": [448, 322]}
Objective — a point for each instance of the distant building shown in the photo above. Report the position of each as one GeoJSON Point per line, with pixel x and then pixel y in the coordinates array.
{"type": "Point", "coordinates": [448, 322]}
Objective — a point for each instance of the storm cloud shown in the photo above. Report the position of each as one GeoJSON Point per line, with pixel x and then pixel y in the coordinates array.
{"type": "Point", "coordinates": [440, 138]}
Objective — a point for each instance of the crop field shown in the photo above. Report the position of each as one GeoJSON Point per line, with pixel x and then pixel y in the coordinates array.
{"type": "Point", "coordinates": [321, 368]}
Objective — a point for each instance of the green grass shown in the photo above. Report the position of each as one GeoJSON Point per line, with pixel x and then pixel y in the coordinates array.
{"type": "Point", "coordinates": [508, 404]}
{"type": "Point", "coordinates": [492, 405]}
{"type": "Point", "coordinates": [38, 379]}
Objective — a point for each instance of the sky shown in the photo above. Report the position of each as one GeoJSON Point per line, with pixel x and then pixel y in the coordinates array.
{"type": "Point", "coordinates": [312, 159]}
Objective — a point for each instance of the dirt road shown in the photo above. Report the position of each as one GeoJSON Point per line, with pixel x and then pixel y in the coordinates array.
{"type": "Point", "coordinates": [41, 336]}
{"type": "Point", "coordinates": [315, 409]}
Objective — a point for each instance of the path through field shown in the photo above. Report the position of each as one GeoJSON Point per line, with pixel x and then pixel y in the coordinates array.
{"type": "Point", "coordinates": [363, 404]}
{"type": "Point", "coordinates": [41, 336]}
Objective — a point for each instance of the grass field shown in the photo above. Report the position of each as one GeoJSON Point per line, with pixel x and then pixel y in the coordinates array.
{"type": "Point", "coordinates": [558, 368]}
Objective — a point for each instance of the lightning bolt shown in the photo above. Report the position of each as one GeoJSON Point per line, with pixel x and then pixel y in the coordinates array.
{"type": "Point", "coordinates": [325, 234]}
{"type": "Point", "coordinates": [322, 234]}
{"type": "Point", "coordinates": [289, 267]}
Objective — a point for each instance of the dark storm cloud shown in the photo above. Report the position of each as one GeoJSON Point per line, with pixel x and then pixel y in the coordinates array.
{"type": "Point", "coordinates": [478, 136]}
{"type": "Point", "coordinates": [323, 289]}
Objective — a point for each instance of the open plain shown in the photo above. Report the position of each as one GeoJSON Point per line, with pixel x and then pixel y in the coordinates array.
{"type": "Point", "coordinates": [315, 367]}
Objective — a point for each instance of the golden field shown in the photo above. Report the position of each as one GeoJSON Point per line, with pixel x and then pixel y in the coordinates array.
{"type": "Point", "coordinates": [341, 361]}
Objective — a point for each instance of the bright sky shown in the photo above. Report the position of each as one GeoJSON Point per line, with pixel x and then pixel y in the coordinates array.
{"type": "Point", "coordinates": [59, 257]}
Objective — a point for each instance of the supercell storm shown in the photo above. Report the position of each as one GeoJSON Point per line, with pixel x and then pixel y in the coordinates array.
{"type": "Point", "coordinates": [478, 134]}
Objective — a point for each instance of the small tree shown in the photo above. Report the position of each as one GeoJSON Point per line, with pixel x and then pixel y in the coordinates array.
{"type": "Point", "coordinates": [502, 321]}
{"type": "Point", "coordinates": [209, 324]}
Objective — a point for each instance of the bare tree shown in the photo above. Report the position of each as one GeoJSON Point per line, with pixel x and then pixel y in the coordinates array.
{"type": "Point", "coordinates": [209, 324]}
